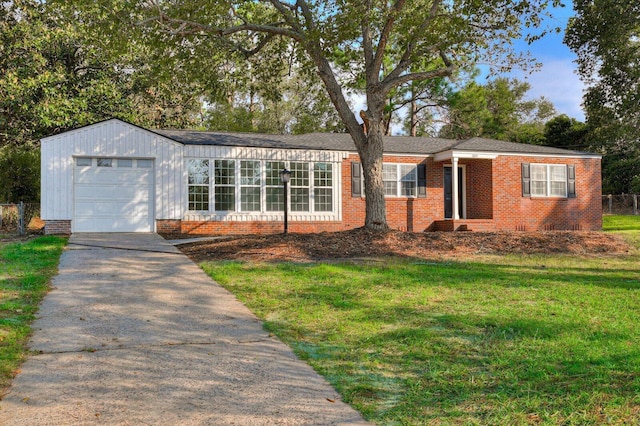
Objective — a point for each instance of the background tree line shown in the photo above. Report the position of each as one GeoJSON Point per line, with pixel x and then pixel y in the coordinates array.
{"type": "Point", "coordinates": [55, 75]}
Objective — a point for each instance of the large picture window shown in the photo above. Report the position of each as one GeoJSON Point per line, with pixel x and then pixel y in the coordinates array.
{"type": "Point", "coordinates": [198, 183]}
{"type": "Point", "coordinates": [255, 186]}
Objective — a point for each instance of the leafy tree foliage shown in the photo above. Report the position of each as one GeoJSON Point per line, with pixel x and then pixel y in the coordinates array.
{"type": "Point", "coordinates": [497, 110]}
{"type": "Point", "coordinates": [19, 174]}
{"type": "Point", "coordinates": [563, 131]}
{"type": "Point", "coordinates": [53, 79]}
{"type": "Point", "coordinates": [605, 35]}
{"type": "Point", "coordinates": [298, 105]}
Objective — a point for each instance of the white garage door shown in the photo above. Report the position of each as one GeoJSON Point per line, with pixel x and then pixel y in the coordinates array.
{"type": "Point", "coordinates": [113, 195]}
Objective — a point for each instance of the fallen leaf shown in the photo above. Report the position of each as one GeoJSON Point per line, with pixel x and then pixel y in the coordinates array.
{"type": "Point", "coordinates": [331, 400]}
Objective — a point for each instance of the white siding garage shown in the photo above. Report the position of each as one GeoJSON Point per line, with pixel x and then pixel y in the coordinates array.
{"type": "Point", "coordinates": [140, 179]}
{"type": "Point", "coordinates": [113, 195]}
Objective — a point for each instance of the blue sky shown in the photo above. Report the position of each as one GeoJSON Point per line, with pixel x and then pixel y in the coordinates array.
{"type": "Point", "coordinates": [557, 80]}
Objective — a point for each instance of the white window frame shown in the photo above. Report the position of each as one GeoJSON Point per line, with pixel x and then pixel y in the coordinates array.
{"type": "Point", "coordinates": [215, 185]}
{"type": "Point", "coordinates": [265, 187]}
{"type": "Point", "coordinates": [206, 184]}
{"type": "Point", "coordinates": [399, 179]}
{"type": "Point", "coordinates": [547, 180]}
{"type": "Point", "coordinates": [243, 183]}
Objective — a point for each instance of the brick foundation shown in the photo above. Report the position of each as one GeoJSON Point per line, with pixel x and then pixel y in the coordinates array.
{"type": "Point", "coordinates": [57, 227]}
{"type": "Point", "coordinates": [168, 227]}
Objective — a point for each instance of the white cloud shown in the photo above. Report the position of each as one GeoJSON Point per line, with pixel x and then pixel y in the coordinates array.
{"type": "Point", "coordinates": [557, 82]}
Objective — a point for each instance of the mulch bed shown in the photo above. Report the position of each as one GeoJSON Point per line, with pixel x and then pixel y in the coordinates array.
{"type": "Point", "coordinates": [362, 243]}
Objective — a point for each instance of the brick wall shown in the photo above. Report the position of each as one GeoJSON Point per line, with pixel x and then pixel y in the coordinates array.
{"type": "Point", "coordinates": [514, 212]}
{"type": "Point", "coordinates": [493, 199]}
{"type": "Point", "coordinates": [57, 227]}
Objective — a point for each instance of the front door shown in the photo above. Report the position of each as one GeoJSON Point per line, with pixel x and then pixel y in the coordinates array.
{"type": "Point", "coordinates": [448, 193]}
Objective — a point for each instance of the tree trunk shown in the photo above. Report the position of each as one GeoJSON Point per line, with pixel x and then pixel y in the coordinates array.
{"type": "Point", "coordinates": [371, 157]}
{"type": "Point", "coordinates": [369, 146]}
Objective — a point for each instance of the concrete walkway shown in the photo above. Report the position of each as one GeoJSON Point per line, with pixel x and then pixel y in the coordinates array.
{"type": "Point", "coordinates": [134, 333]}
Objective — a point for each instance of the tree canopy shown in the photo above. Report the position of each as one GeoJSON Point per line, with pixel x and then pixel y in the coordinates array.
{"type": "Point", "coordinates": [497, 110]}
{"type": "Point", "coordinates": [605, 35]}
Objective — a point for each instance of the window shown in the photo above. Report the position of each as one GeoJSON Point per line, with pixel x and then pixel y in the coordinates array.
{"type": "Point", "coordinates": [275, 196]}
{"type": "Point", "coordinates": [255, 186]}
{"type": "Point", "coordinates": [198, 183]}
{"type": "Point", "coordinates": [299, 185]}
{"type": "Point", "coordinates": [145, 164]}
{"type": "Point", "coordinates": [400, 180]}
{"type": "Point", "coordinates": [105, 162]}
{"type": "Point", "coordinates": [225, 187]}
{"type": "Point", "coordinates": [408, 179]}
{"type": "Point", "coordinates": [558, 181]}
{"type": "Point", "coordinates": [390, 179]}
{"type": "Point", "coordinates": [125, 163]}
{"type": "Point", "coordinates": [83, 162]}
{"type": "Point", "coordinates": [249, 186]}
{"type": "Point", "coordinates": [322, 187]}
{"type": "Point", "coordinates": [548, 180]}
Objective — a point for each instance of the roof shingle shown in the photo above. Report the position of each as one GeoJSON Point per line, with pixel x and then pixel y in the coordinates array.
{"type": "Point", "coordinates": [343, 142]}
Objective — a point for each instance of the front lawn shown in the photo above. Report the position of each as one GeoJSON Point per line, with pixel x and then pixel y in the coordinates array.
{"type": "Point", "coordinates": [516, 339]}
{"type": "Point", "coordinates": [25, 271]}
{"type": "Point", "coordinates": [620, 223]}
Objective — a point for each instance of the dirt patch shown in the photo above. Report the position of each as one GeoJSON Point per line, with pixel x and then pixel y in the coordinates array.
{"type": "Point", "coordinates": [361, 243]}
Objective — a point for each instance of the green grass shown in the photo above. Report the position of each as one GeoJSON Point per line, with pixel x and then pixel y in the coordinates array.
{"type": "Point", "coordinates": [25, 271]}
{"type": "Point", "coordinates": [495, 340]}
{"type": "Point", "coordinates": [620, 223]}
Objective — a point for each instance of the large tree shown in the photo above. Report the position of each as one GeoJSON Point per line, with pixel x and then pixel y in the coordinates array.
{"type": "Point", "coordinates": [605, 35]}
{"type": "Point", "coordinates": [381, 41]}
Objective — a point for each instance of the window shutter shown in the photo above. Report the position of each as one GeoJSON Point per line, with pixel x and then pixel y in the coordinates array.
{"type": "Point", "coordinates": [526, 180]}
{"type": "Point", "coordinates": [356, 180]}
{"type": "Point", "coordinates": [571, 181]}
{"type": "Point", "coordinates": [422, 180]}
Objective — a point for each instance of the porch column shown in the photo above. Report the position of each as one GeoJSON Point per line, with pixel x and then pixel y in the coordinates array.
{"type": "Point", "coordinates": [454, 191]}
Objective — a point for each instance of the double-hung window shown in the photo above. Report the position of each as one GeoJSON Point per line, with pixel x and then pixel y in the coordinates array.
{"type": "Point", "coordinates": [198, 183]}
{"type": "Point", "coordinates": [273, 186]}
{"type": "Point", "coordinates": [250, 186]}
{"type": "Point", "coordinates": [548, 180]}
{"type": "Point", "coordinates": [408, 180]}
{"type": "Point", "coordinates": [322, 187]}
{"type": "Point", "coordinates": [225, 185]}
{"type": "Point", "coordinates": [400, 180]}
{"type": "Point", "coordinates": [299, 185]}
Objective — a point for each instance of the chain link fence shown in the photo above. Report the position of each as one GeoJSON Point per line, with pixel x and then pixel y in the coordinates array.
{"type": "Point", "coordinates": [625, 204]}
{"type": "Point", "coordinates": [18, 219]}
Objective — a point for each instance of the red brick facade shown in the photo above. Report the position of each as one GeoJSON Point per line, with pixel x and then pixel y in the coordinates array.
{"type": "Point", "coordinates": [493, 200]}
{"type": "Point", "coordinates": [57, 227]}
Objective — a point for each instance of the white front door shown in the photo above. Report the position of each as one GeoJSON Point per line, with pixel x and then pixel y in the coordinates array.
{"type": "Point", "coordinates": [113, 195]}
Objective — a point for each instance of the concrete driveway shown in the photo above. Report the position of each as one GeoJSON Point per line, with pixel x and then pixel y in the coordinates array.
{"type": "Point", "coordinates": [134, 333]}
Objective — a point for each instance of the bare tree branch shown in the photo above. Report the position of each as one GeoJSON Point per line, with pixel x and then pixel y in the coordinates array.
{"type": "Point", "coordinates": [418, 76]}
